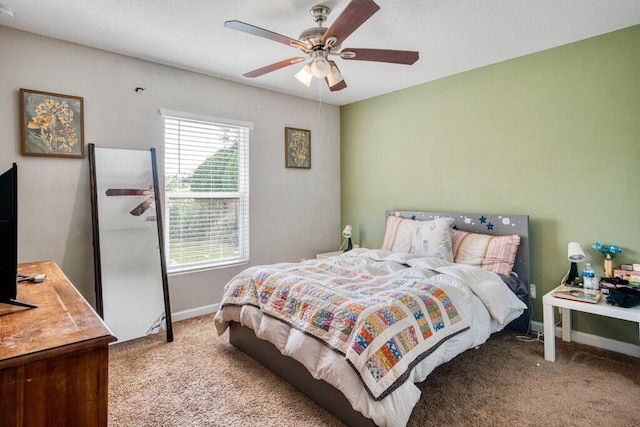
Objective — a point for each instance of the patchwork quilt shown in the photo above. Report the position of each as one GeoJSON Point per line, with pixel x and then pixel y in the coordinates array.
{"type": "Point", "coordinates": [382, 325]}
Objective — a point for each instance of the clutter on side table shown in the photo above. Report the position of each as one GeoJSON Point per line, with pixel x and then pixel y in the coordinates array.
{"type": "Point", "coordinates": [576, 294]}
{"type": "Point", "coordinates": [609, 252]}
{"type": "Point", "coordinates": [623, 297]}
{"type": "Point", "coordinates": [589, 280]}
{"type": "Point", "coordinates": [614, 282]}
{"type": "Point", "coordinates": [632, 276]}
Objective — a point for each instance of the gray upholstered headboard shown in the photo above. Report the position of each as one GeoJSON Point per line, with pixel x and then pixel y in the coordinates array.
{"type": "Point", "coordinates": [493, 224]}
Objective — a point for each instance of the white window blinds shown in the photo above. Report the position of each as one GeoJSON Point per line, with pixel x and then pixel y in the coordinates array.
{"type": "Point", "coordinates": [206, 191]}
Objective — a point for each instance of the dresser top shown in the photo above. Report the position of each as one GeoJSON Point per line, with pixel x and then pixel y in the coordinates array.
{"type": "Point", "coordinates": [63, 320]}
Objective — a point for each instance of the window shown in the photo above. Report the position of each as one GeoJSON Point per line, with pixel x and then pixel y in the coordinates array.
{"type": "Point", "coordinates": [206, 164]}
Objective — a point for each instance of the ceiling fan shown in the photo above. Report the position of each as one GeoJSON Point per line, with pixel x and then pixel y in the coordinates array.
{"type": "Point", "coordinates": [319, 43]}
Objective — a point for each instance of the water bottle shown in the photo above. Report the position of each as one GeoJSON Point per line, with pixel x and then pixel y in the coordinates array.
{"type": "Point", "coordinates": [589, 277]}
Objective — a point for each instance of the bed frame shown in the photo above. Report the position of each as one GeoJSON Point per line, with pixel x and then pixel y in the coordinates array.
{"type": "Point", "coordinates": [323, 393]}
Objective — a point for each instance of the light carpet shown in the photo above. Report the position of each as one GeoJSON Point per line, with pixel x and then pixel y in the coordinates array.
{"type": "Point", "coordinates": [202, 380]}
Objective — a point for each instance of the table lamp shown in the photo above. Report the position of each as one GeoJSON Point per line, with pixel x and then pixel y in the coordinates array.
{"type": "Point", "coordinates": [575, 254]}
{"type": "Point", "coordinates": [346, 233]}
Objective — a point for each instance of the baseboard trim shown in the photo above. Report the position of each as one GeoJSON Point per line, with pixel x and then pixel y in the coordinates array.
{"type": "Point", "coordinates": [594, 340]}
{"type": "Point", "coordinates": [194, 312]}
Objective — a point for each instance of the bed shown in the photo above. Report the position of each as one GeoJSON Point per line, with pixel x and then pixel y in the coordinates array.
{"type": "Point", "coordinates": [304, 322]}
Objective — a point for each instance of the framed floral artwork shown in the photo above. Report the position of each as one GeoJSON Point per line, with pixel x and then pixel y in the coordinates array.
{"type": "Point", "coordinates": [51, 124]}
{"type": "Point", "coordinates": [297, 145]}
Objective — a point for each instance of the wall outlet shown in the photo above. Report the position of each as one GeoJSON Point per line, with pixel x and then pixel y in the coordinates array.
{"type": "Point", "coordinates": [532, 291]}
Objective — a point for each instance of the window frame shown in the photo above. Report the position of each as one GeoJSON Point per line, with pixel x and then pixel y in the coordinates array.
{"type": "Point", "coordinates": [242, 195]}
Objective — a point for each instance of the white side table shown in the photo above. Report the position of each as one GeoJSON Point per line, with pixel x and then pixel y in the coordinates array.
{"type": "Point", "coordinates": [329, 254]}
{"type": "Point", "coordinates": [602, 309]}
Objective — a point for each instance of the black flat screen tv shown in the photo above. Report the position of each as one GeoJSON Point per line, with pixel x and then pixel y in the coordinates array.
{"type": "Point", "coordinates": [9, 238]}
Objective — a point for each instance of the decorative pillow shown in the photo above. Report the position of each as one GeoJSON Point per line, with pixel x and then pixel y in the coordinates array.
{"type": "Point", "coordinates": [398, 234]}
{"type": "Point", "coordinates": [433, 239]}
{"type": "Point", "coordinates": [492, 253]}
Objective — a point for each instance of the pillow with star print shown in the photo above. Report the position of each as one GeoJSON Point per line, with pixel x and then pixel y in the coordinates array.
{"type": "Point", "coordinates": [492, 253]}
{"type": "Point", "coordinates": [432, 239]}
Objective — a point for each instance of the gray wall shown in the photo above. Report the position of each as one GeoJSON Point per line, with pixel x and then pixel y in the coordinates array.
{"type": "Point", "coordinates": [294, 213]}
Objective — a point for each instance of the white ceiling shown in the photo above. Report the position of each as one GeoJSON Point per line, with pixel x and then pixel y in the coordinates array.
{"type": "Point", "coordinates": [452, 36]}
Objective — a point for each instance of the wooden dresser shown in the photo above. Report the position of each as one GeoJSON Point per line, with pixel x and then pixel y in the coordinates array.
{"type": "Point", "coordinates": [54, 359]}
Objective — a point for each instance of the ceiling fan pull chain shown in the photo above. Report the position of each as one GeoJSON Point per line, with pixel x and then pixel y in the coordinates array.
{"type": "Point", "coordinates": [319, 100]}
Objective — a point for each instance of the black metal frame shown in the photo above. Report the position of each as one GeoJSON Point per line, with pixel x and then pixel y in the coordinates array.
{"type": "Point", "coordinates": [163, 261]}
{"type": "Point", "coordinates": [96, 239]}
{"type": "Point", "coordinates": [97, 264]}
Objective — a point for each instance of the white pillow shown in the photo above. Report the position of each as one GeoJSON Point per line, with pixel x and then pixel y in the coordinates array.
{"type": "Point", "coordinates": [398, 233]}
{"type": "Point", "coordinates": [433, 239]}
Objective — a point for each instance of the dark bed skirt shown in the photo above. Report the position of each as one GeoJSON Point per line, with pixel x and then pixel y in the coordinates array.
{"type": "Point", "coordinates": [293, 372]}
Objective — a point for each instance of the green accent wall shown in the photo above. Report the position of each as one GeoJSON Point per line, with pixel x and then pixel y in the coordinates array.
{"type": "Point", "coordinates": [554, 135]}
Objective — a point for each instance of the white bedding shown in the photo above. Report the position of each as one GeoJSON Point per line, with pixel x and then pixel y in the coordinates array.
{"type": "Point", "coordinates": [484, 300]}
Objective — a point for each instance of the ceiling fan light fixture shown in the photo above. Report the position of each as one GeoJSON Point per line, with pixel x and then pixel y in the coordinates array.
{"type": "Point", "coordinates": [305, 75]}
{"type": "Point", "coordinates": [320, 67]}
{"type": "Point", "coordinates": [334, 77]}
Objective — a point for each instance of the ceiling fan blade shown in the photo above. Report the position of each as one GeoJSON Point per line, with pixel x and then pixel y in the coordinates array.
{"type": "Point", "coordinates": [354, 15]}
{"type": "Point", "coordinates": [338, 85]}
{"type": "Point", "coordinates": [261, 32]}
{"type": "Point", "coordinates": [127, 192]}
{"type": "Point", "coordinates": [273, 67]}
{"type": "Point", "coordinates": [142, 207]}
{"type": "Point", "coordinates": [406, 57]}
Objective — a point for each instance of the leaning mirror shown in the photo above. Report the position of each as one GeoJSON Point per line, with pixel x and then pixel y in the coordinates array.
{"type": "Point", "coordinates": [132, 294]}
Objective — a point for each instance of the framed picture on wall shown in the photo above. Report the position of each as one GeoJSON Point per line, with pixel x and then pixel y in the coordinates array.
{"type": "Point", "coordinates": [297, 148]}
{"type": "Point", "coordinates": [51, 124]}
